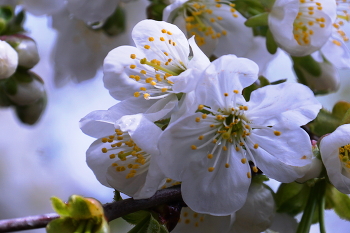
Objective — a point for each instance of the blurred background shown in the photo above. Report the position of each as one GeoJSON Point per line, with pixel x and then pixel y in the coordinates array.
{"type": "Point", "coordinates": [48, 158]}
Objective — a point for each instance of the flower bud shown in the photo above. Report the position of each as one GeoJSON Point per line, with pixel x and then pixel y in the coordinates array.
{"type": "Point", "coordinates": [8, 60]}
{"type": "Point", "coordinates": [28, 55]}
{"type": "Point", "coordinates": [25, 87]}
{"type": "Point", "coordinates": [30, 114]}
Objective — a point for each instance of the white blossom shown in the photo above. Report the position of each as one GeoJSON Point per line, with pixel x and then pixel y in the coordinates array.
{"type": "Point", "coordinates": [209, 151]}
{"type": "Point", "coordinates": [8, 60]}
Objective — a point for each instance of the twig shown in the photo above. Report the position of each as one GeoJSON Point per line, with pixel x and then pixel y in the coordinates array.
{"type": "Point", "coordinates": [112, 210]}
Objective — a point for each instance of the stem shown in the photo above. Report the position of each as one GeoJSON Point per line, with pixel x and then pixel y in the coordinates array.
{"type": "Point", "coordinates": [306, 220]}
{"type": "Point", "coordinates": [321, 206]}
{"type": "Point", "coordinates": [112, 210]}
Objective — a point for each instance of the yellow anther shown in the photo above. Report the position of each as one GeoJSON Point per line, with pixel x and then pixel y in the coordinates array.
{"type": "Point", "coordinates": [256, 146]}
{"type": "Point", "coordinates": [112, 156]}
{"type": "Point", "coordinates": [241, 144]}
{"type": "Point", "coordinates": [210, 169]}
{"type": "Point", "coordinates": [210, 156]}
{"type": "Point", "coordinates": [137, 78]}
{"type": "Point", "coordinates": [237, 148]}
{"type": "Point", "coordinates": [104, 140]}
{"type": "Point", "coordinates": [166, 54]}
{"type": "Point", "coordinates": [218, 5]}
{"type": "Point", "coordinates": [212, 126]}
{"type": "Point", "coordinates": [104, 150]}
{"type": "Point", "coordinates": [147, 46]}
{"type": "Point", "coordinates": [304, 157]}
{"type": "Point", "coordinates": [235, 91]}
{"type": "Point", "coordinates": [214, 140]}
{"type": "Point", "coordinates": [204, 116]}
{"type": "Point", "coordinates": [151, 39]}
{"type": "Point", "coordinates": [164, 89]}
{"type": "Point", "coordinates": [198, 119]}
{"type": "Point", "coordinates": [153, 83]}
{"type": "Point", "coordinates": [255, 169]}
{"type": "Point", "coordinates": [143, 72]}
{"type": "Point", "coordinates": [224, 148]}
{"type": "Point", "coordinates": [200, 137]}
{"type": "Point", "coordinates": [200, 107]}
{"type": "Point", "coordinates": [227, 165]}
{"type": "Point", "coordinates": [225, 94]}
{"type": "Point", "coordinates": [193, 147]}
{"type": "Point", "coordinates": [163, 31]}
{"type": "Point", "coordinates": [219, 17]}
{"type": "Point", "coordinates": [114, 164]}
{"type": "Point", "coordinates": [146, 96]}
{"type": "Point", "coordinates": [169, 33]}
{"type": "Point", "coordinates": [132, 66]}
{"type": "Point", "coordinates": [132, 56]}
{"type": "Point", "coordinates": [249, 175]}
{"type": "Point", "coordinates": [143, 88]}
{"type": "Point", "coordinates": [277, 133]}
{"type": "Point", "coordinates": [245, 108]}
{"type": "Point", "coordinates": [244, 160]}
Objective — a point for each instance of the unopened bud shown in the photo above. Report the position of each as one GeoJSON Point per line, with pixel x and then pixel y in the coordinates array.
{"type": "Point", "coordinates": [24, 88]}
{"type": "Point", "coordinates": [8, 60]}
{"type": "Point", "coordinates": [30, 114]}
{"type": "Point", "coordinates": [26, 48]}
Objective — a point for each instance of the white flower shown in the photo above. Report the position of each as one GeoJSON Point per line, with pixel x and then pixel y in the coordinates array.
{"type": "Point", "coordinates": [301, 27]}
{"type": "Point", "coordinates": [283, 223]}
{"type": "Point", "coordinates": [42, 7]}
{"type": "Point", "coordinates": [192, 222]}
{"type": "Point", "coordinates": [218, 27]}
{"type": "Point", "coordinates": [209, 151]}
{"type": "Point", "coordinates": [335, 153]}
{"type": "Point", "coordinates": [8, 60]}
{"type": "Point", "coordinates": [159, 67]}
{"type": "Point", "coordinates": [335, 49]}
{"type": "Point", "coordinates": [258, 211]}
{"type": "Point", "coordinates": [123, 157]}
{"type": "Point", "coordinates": [91, 10]}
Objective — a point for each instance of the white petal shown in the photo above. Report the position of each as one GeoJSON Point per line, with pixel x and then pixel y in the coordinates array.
{"type": "Point", "coordinates": [8, 60]}
{"type": "Point", "coordinates": [116, 69]}
{"type": "Point", "coordinates": [150, 28]}
{"type": "Point", "coordinates": [329, 148]}
{"type": "Point", "coordinates": [291, 103]}
{"type": "Point", "coordinates": [224, 75]}
{"type": "Point", "coordinates": [204, 223]}
{"type": "Point", "coordinates": [280, 162]}
{"type": "Point", "coordinates": [338, 55]}
{"type": "Point", "coordinates": [220, 192]}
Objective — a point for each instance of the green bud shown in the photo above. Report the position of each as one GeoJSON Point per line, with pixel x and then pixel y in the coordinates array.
{"type": "Point", "coordinates": [116, 23]}
{"type": "Point", "coordinates": [30, 114]}
{"type": "Point", "coordinates": [258, 20]}
{"type": "Point", "coordinates": [271, 43]}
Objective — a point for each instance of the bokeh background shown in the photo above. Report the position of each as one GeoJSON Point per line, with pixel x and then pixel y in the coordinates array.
{"type": "Point", "coordinates": [48, 159]}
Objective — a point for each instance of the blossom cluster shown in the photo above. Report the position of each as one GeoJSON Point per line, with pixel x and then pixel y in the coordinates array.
{"type": "Point", "coordinates": [194, 112]}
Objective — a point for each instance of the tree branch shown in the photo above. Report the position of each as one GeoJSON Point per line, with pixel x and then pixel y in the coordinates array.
{"type": "Point", "coordinates": [112, 210]}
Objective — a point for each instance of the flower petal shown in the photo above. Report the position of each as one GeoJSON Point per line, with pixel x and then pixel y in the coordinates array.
{"type": "Point", "coordinates": [291, 103]}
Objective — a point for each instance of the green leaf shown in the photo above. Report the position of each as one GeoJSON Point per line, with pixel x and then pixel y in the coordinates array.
{"type": "Point", "coordinates": [136, 217]}
{"type": "Point", "coordinates": [308, 64]}
{"type": "Point", "coordinates": [59, 206]}
{"type": "Point", "coordinates": [78, 207]}
{"type": "Point", "coordinates": [149, 225]}
{"type": "Point", "coordinates": [346, 118]}
{"type": "Point", "coordinates": [263, 81]}
{"type": "Point", "coordinates": [291, 198]}
{"type": "Point", "coordinates": [324, 123]}
{"type": "Point", "coordinates": [116, 23]}
{"type": "Point", "coordinates": [60, 225]}
{"type": "Point", "coordinates": [267, 3]}
{"type": "Point", "coordinates": [342, 204]}
{"type": "Point", "coordinates": [6, 13]}
{"type": "Point", "coordinates": [258, 20]}
{"type": "Point", "coordinates": [271, 43]}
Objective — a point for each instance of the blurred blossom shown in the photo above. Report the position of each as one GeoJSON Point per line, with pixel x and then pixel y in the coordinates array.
{"type": "Point", "coordinates": [302, 27]}
{"type": "Point", "coordinates": [79, 50]}
{"type": "Point", "coordinates": [8, 60]}
{"type": "Point", "coordinates": [26, 48]}
{"type": "Point", "coordinates": [91, 10]}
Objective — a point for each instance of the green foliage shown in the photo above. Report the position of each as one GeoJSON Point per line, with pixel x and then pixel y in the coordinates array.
{"type": "Point", "coordinates": [341, 203]}
{"type": "Point", "coordinates": [257, 20]}
{"type": "Point", "coordinates": [149, 225]}
{"type": "Point", "coordinates": [116, 23]}
{"type": "Point", "coordinates": [291, 198]}
{"type": "Point", "coordinates": [271, 43]}
{"type": "Point", "coordinates": [308, 64]}
{"type": "Point", "coordinates": [155, 9]}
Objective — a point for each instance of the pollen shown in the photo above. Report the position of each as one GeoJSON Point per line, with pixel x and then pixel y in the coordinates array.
{"type": "Point", "coordinates": [277, 133]}
{"type": "Point", "coordinates": [211, 169]}
{"type": "Point", "coordinates": [104, 150]}
{"type": "Point", "coordinates": [244, 160]}
{"type": "Point", "coordinates": [132, 66]}
{"type": "Point", "coordinates": [147, 46]}
{"type": "Point", "coordinates": [133, 56]}
{"type": "Point", "coordinates": [210, 156]}
{"type": "Point", "coordinates": [193, 147]}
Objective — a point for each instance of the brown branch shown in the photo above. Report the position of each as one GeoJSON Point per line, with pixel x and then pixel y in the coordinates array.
{"type": "Point", "coordinates": [112, 210]}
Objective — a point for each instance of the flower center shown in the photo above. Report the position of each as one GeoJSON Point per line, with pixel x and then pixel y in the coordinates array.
{"type": "Point", "coordinates": [229, 130]}
{"type": "Point", "coordinates": [201, 20]}
{"type": "Point", "coordinates": [343, 7]}
{"type": "Point", "coordinates": [126, 155]}
{"type": "Point", "coordinates": [155, 73]}
{"type": "Point", "coordinates": [344, 156]}
{"type": "Point", "coordinates": [307, 21]}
